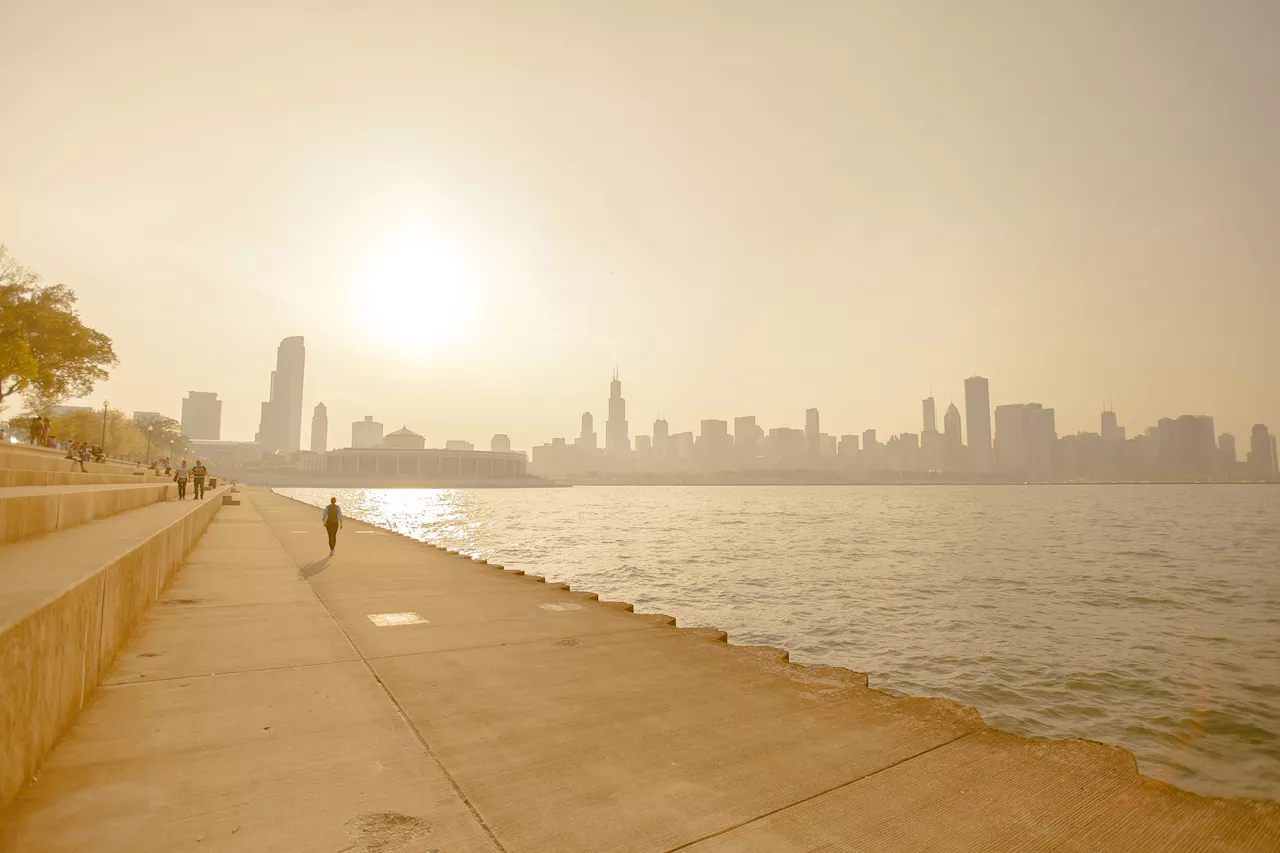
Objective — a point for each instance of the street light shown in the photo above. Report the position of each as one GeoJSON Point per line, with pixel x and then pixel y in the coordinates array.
{"type": "Point", "coordinates": [150, 429]}
{"type": "Point", "coordinates": [105, 404]}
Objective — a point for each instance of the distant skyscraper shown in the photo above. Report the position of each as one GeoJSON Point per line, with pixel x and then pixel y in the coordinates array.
{"type": "Point", "coordinates": [746, 441]}
{"type": "Point", "coordinates": [1227, 457]}
{"type": "Point", "coordinates": [1025, 437]}
{"type": "Point", "coordinates": [587, 437]}
{"type": "Point", "coordinates": [714, 446]}
{"type": "Point", "coordinates": [661, 441]}
{"type": "Point", "coordinates": [202, 416]}
{"type": "Point", "coordinates": [1111, 430]}
{"type": "Point", "coordinates": [366, 433]}
{"type": "Point", "coordinates": [812, 437]}
{"type": "Point", "coordinates": [953, 458]}
{"type": "Point", "coordinates": [1261, 457]}
{"type": "Point", "coordinates": [281, 424]}
{"type": "Point", "coordinates": [500, 443]}
{"type": "Point", "coordinates": [977, 413]}
{"type": "Point", "coordinates": [930, 420]}
{"type": "Point", "coordinates": [617, 439]}
{"type": "Point", "coordinates": [1186, 448]}
{"type": "Point", "coordinates": [319, 429]}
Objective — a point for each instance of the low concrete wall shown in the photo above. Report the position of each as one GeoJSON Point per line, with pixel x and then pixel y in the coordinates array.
{"type": "Point", "coordinates": [22, 457]}
{"type": "Point", "coordinates": [53, 658]}
{"type": "Point", "coordinates": [28, 516]}
{"type": "Point", "coordinates": [73, 478]}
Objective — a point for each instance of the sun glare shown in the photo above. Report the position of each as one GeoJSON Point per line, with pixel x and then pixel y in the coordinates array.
{"type": "Point", "coordinates": [414, 289]}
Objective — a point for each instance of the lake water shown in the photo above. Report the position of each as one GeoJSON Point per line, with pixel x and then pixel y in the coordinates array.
{"type": "Point", "coordinates": [1146, 617]}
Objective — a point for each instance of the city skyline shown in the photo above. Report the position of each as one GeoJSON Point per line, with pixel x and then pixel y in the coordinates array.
{"type": "Point", "coordinates": [1012, 441]}
{"type": "Point", "coordinates": [876, 220]}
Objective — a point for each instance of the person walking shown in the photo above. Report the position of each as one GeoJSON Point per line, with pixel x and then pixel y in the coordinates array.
{"type": "Point", "coordinates": [331, 518]}
{"type": "Point", "coordinates": [180, 477]}
{"type": "Point", "coordinates": [198, 473]}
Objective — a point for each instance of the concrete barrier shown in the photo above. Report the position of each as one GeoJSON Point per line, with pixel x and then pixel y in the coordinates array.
{"type": "Point", "coordinates": [9, 477]}
{"type": "Point", "coordinates": [54, 656]}
{"type": "Point", "coordinates": [27, 513]}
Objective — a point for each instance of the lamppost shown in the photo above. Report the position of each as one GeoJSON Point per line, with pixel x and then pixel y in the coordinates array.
{"type": "Point", "coordinates": [105, 404]}
{"type": "Point", "coordinates": [150, 428]}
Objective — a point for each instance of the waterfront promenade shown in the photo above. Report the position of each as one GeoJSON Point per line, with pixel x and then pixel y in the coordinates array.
{"type": "Point", "coordinates": [399, 698]}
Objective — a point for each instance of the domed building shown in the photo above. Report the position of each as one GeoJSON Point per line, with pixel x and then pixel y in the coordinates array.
{"type": "Point", "coordinates": [404, 439]}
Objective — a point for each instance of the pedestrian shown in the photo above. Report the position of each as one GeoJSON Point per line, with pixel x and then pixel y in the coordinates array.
{"type": "Point", "coordinates": [180, 477]}
{"type": "Point", "coordinates": [198, 473]}
{"type": "Point", "coordinates": [331, 518]}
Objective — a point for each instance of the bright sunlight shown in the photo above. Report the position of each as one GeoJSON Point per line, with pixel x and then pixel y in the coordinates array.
{"type": "Point", "coordinates": [414, 289]}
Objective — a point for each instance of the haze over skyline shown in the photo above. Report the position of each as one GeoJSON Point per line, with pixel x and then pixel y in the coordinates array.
{"type": "Point", "coordinates": [473, 212]}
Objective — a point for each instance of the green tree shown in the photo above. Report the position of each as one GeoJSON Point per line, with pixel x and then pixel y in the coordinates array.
{"type": "Point", "coordinates": [123, 436]}
{"type": "Point", "coordinates": [45, 350]}
{"type": "Point", "coordinates": [164, 431]}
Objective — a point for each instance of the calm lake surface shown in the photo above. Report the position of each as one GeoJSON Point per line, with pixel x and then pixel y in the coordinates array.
{"type": "Point", "coordinates": [1147, 617]}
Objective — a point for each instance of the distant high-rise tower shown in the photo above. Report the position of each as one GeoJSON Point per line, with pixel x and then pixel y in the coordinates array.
{"type": "Point", "coordinates": [812, 436]}
{"type": "Point", "coordinates": [500, 443]}
{"type": "Point", "coordinates": [617, 440]}
{"type": "Point", "coordinates": [661, 436]}
{"type": "Point", "coordinates": [281, 424]}
{"type": "Point", "coordinates": [977, 414]}
{"type": "Point", "coordinates": [930, 419]}
{"type": "Point", "coordinates": [1261, 452]}
{"type": "Point", "coordinates": [587, 438]}
{"type": "Point", "coordinates": [320, 429]}
{"type": "Point", "coordinates": [202, 415]}
{"type": "Point", "coordinates": [952, 441]}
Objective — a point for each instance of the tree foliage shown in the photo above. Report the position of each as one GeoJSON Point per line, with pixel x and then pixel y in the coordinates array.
{"type": "Point", "coordinates": [45, 351]}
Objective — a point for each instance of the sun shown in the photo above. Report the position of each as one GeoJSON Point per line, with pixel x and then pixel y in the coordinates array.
{"type": "Point", "coordinates": [414, 289]}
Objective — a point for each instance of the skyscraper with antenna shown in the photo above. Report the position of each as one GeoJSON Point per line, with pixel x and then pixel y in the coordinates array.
{"type": "Point", "coordinates": [617, 440]}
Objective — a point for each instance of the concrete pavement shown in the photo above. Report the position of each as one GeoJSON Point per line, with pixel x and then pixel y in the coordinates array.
{"type": "Point", "coordinates": [397, 698]}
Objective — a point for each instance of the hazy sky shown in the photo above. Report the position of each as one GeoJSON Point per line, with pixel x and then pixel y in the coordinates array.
{"type": "Point", "coordinates": [473, 210]}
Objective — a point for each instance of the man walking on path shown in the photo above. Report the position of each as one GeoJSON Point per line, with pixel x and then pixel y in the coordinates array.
{"type": "Point", "coordinates": [198, 473]}
{"type": "Point", "coordinates": [331, 518]}
{"type": "Point", "coordinates": [180, 477]}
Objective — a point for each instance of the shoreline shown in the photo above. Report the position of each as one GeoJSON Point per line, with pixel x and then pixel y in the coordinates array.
{"type": "Point", "coordinates": [784, 656]}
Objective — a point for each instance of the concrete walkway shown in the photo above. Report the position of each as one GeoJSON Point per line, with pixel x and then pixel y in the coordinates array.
{"type": "Point", "coordinates": [396, 698]}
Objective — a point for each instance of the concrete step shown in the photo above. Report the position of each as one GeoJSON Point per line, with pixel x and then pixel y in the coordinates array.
{"type": "Point", "coordinates": [70, 601]}
{"type": "Point", "coordinates": [24, 457]}
{"type": "Point", "coordinates": [30, 511]}
{"type": "Point", "coordinates": [73, 478]}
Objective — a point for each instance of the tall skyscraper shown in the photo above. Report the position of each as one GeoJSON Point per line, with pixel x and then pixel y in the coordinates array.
{"type": "Point", "coordinates": [617, 439]}
{"type": "Point", "coordinates": [1187, 449]}
{"type": "Point", "coordinates": [746, 441]}
{"type": "Point", "coordinates": [202, 415]}
{"type": "Point", "coordinates": [366, 433]}
{"type": "Point", "coordinates": [953, 458]}
{"type": "Point", "coordinates": [1227, 454]}
{"type": "Point", "coordinates": [930, 423]}
{"type": "Point", "coordinates": [319, 429]}
{"type": "Point", "coordinates": [587, 437]}
{"type": "Point", "coordinates": [812, 437]}
{"type": "Point", "coordinates": [1024, 441]}
{"type": "Point", "coordinates": [977, 413]}
{"type": "Point", "coordinates": [281, 424]}
{"type": "Point", "coordinates": [661, 442]}
{"type": "Point", "coordinates": [1261, 453]}
{"type": "Point", "coordinates": [714, 446]}
{"type": "Point", "coordinates": [1111, 430]}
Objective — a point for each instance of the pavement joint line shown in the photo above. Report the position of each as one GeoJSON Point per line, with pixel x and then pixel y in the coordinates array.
{"type": "Point", "coordinates": [289, 665]}
{"type": "Point", "coordinates": [823, 793]}
{"type": "Point", "coordinates": [392, 699]}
